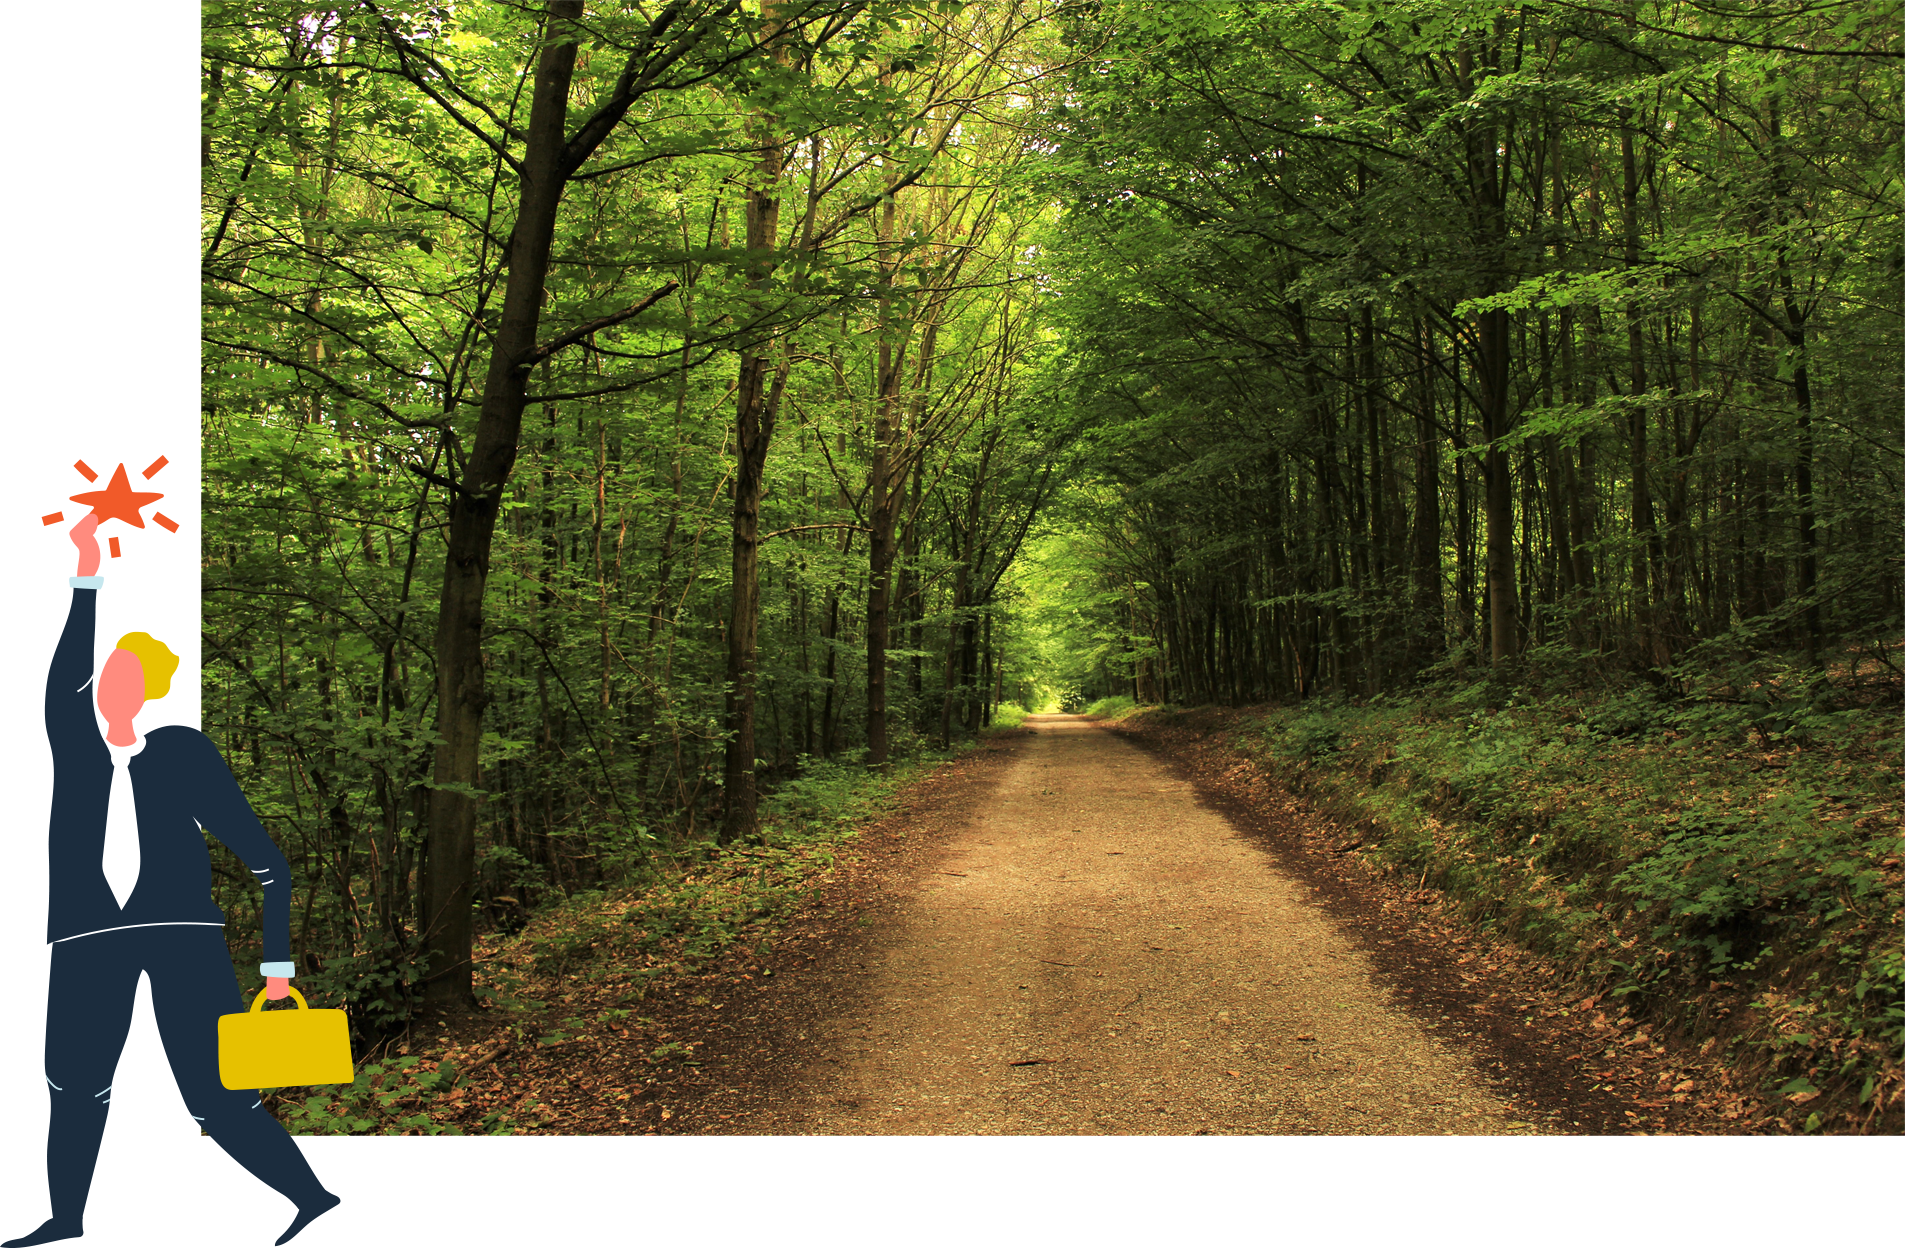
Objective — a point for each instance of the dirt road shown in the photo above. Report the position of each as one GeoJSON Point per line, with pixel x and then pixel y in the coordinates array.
{"type": "Point", "coordinates": [1091, 950]}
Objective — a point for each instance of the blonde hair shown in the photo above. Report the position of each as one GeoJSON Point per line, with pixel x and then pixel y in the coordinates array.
{"type": "Point", "coordinates": [157, 661]}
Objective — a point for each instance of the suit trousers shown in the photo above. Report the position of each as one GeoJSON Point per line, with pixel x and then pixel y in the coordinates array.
{"type": "Point", "coordinates": [88, 1013]}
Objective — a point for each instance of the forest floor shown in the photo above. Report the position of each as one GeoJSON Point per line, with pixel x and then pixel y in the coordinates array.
{"type": "Point", "coordinates": [1072, 931]}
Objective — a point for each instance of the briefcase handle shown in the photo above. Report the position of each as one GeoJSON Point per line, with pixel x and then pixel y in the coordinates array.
{"type": "Point", "coordinates": [258, 1002]}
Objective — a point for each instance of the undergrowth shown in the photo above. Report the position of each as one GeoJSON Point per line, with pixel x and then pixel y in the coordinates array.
{"type": "Point", "coordinates": [1116, 707]}
{"type": "Point", "coordinates": [1728, 859]}
{"type": "Point", "coordinates": [682, 910]}
{"type": "Point", "coordinates": [1007, 715]}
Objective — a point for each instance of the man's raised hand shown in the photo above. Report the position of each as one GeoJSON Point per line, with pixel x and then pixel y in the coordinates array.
{"type": "Point", "coordinates": [83, 538]}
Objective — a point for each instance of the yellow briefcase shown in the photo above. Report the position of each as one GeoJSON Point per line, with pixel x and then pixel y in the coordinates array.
{"type": "Point", "coordinates": [284, 1048]}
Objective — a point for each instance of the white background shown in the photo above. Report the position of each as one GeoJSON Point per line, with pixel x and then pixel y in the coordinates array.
{"type": "Point", "coordinates": [100, 311]}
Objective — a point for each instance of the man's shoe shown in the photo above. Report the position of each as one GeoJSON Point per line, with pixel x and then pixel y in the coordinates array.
{"type": "Point", "coordinates": [306, 1213]}
{"type": "Point", "coordinates": [50, 1230]}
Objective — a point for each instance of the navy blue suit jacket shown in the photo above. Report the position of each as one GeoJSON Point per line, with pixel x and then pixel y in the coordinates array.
{"type": "Point", "coordinates": [180, 785]}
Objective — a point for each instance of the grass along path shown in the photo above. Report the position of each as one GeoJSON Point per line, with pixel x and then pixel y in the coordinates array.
{"type": "Point", "coordinates": [581, 1008]}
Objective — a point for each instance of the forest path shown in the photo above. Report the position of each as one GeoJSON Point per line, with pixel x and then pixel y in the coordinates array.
{"type": "Point", "coordinates": [1088, 949]}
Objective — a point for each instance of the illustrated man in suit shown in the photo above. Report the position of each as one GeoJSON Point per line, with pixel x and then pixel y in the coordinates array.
{"type": "Point", "coordinates": [130, 891]}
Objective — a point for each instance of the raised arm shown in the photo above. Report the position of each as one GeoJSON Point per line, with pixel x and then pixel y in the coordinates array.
{"type": "Point", "coordinates": [69, 708]}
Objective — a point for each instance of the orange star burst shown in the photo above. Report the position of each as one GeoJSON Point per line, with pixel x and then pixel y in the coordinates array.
{"type": "Point", "coordinates": [118, 501]}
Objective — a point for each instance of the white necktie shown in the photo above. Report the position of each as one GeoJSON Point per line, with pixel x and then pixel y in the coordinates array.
{"type": "Point", "coordinates": [120, 861]}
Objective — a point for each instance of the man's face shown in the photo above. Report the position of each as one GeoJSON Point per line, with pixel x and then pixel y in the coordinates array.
{"type": "Point", "coordinates": [122, 687]}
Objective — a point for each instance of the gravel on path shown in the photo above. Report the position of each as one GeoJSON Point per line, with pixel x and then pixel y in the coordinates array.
{"type": "Point", "coordinates": [1077, 945]}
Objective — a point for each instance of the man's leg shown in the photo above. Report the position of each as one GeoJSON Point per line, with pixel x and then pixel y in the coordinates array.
{"type": "Point", "coordinates": [192, 984]}
{"type": "Point", "coordinates": [88, 1012]}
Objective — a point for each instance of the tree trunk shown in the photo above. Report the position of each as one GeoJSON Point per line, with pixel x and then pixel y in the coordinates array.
{"type": "Point", "coordinates": [1375, 627]}
{"type": "Point", "coordinates": [1802, 479]}
{"type": "Point", "coordinates": [886, 491]}
{"type": "Point", "coordinates": [910, 593]}
{"type": "Point", "coordinates": [1796, 333]}
{"type": "Point", "coordinates": [1646, 537]}
{"type": "Point", "coordinates": [474, 505]}
{"type": "Point", "coordinates": [756, 406]}
{"type": "Point", "coordinates": [1488, 174]}
{"type": "Point", "coordinates": [1426, 639]}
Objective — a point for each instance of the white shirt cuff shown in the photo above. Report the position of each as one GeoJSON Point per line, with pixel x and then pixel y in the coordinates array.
{"type": "Point", "coordinates": [85, 582]}
{"type": "Point", "coordinates": [276, 970]}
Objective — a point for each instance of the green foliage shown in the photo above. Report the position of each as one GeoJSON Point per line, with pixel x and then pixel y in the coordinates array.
{"type": "Point", "coordinates": [1193, 304]}
{"type": "Point", "coordinates": [1008, 715]}
{"type": "Point", "coordinates": [354, 252]}
{"type": "Point", "coordinates": [1070, 644]}
{"type": "Point", "coordinates": [1300, 240]}
{"type": "Point", "coordinates": [1628, 836]}
{"type": "Point", "coordinates": [388, 1098]}
{"type": "Point", "coordinates": [378, 989]}
{"type": "Point", "coordinates": [1314, 734]}
{"type": "Point", "coordinates": [1718, 877]}
{"type": "Point", "coordinates": [705, 901]}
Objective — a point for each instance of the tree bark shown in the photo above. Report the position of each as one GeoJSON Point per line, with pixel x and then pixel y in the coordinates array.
{"type": "Point", "coordinates": [1795, 331]}
{"type": "Point", "coordinates": [756, 406]}
{"type": "Point", "coordinates": [1488, 174]}
{"type": "Point", "coordinates": [1641, 499]}
{"type": "Point", "coordinates": [886, 490]}
{"type": "Point", "coordinates": [1426, 634]}
{"type": "Point", "coordinates": [474, 505]}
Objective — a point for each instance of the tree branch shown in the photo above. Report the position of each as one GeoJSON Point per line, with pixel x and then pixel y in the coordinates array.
{"type": "Point", "coordinates": [544, 350]}
{"type": "Point", "coordinates": [341, 387]}
{"type": "Point", "coordinates": [445, 482]}
{"type": "Point", "coordinates": [802, 528]}
{"type": "Point", "coordinates": [405, 50]}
